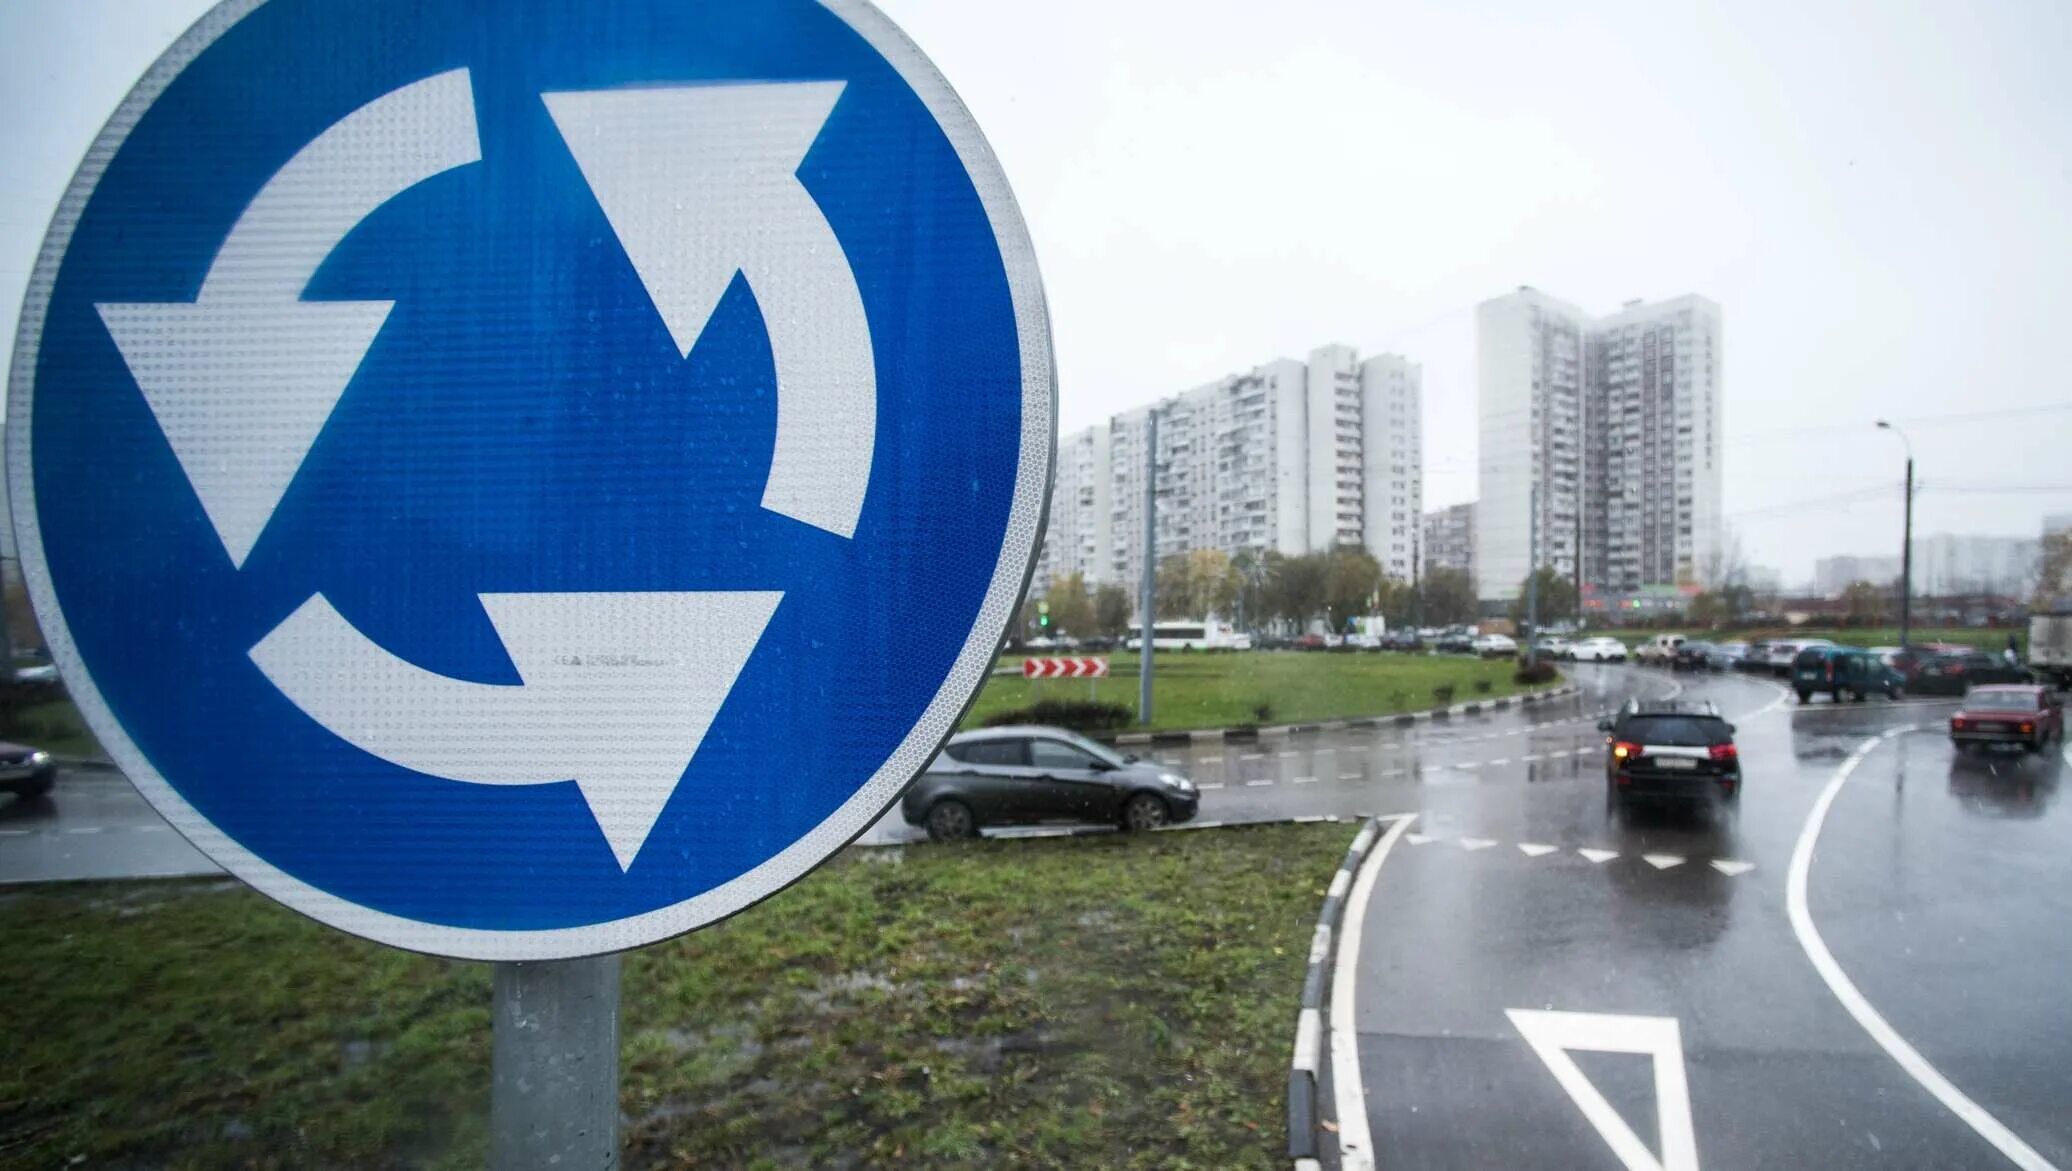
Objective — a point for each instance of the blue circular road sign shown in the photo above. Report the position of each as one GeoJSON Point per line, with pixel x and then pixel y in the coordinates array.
{"type": "Point", "coordinates": [519, 479]}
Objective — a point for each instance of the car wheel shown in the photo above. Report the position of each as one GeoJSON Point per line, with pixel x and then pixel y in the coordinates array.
{"type": "Point", "coordinates": [949, 821]}
{"type": "Point", "coordinates": [1145, 812]}
{"type": "Point", "coordinates": [37, 788]}
{"type": "Point", "coordinates": [1805, 697]}
{"type": "Point", "coordinates": [1860, 695]}
{"type": "Point", "coordinates": [1894, 692]}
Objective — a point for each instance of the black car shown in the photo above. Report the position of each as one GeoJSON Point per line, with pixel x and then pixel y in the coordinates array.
{"type": "Point", "coordinates": [1843, 671]}
{"type": "Point", "coordinates": [1670, 750]}
{"type": "Point", "coordinates": [26, 772]}
{"type": "Point", "coordinates": [1691, 656]}
{"type": "Point", "coordinates": [1958, 673]}
{"type": "Point", "coordinates": [1019, 775]}
{"type": "Point", "coordinates": [1401, 640]}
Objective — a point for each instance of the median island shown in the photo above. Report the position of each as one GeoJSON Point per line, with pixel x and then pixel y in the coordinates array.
{"type": "Point", "coordinates": [1234, 689]}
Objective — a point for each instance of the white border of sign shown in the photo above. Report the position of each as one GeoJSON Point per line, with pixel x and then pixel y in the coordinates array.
{"type": "Point", "coordinates": [1010, 577]}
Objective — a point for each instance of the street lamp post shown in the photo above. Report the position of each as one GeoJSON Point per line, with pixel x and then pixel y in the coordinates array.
{"type": "Point", "coordinates": [1906, 548]}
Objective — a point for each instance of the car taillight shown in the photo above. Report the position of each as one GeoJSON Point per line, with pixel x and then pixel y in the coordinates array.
{"type": "Point", "coordinates": [2028, 728]}
{"type": "Point", "coordinates": [1830, 672]}
{"type": "Point", "coordinates": [1954, 669]}
{"type": "Point", "coordinates": [1723, 752]}
{"type": "Point", "coordinates": [1623, 750]}
{"type": "Point", "coordinates": [1957, 722]}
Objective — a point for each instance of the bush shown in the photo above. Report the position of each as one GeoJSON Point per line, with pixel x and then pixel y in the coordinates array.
{"type": "Point", "coordinates": [1539, 672]}
{"type": "Point", "coordinates": [1483, 685]}
{"type": "Point", "coordinates": [1078, 715]}
{"type": "Point", "coordinates": [1443, 694]}
{"type": "Point", "coordinates": [1263, 712]}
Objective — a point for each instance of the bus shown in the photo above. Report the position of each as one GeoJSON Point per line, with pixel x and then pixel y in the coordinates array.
{"type": "Point", "coordinates": [1209, 635]}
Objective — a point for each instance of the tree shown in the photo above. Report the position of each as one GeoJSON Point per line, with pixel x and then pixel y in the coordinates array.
{"type": "Point", "coordinates": [1398, 602]}
{"type": "Point", "coordinates": [1251, 571]}
{"type": "Point", "coordinates": [1295, 588]}
{"type": "Point", "coordinates": [1448, 597]}
{"type": "Point", "coordinates": [1212, 583]}
{"type": "Point", "coordinates": [1351, 578]}
{"type": "Point", "coordinates": [1111, 611]}
{"type": "Point", "coordinates": [1557, 596]}
{"type": "Point", "coordinates": [1863, 603]}
{"type": "Point", "coordinates": [1071, 611]}
{"type": "Point", "coordinates": [1173, 591]}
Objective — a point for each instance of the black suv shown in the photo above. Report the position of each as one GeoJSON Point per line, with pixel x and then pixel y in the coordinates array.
{"type": "Point", "coordinates": [1670, 750]}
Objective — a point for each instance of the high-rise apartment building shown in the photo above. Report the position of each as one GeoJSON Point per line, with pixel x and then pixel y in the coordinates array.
{"type": "Point", "coordinates": [1449, 538]}
{"type": "Point", "coordinates": [1292, 457]}
{"type": "Point", "coordinates": [1832, 575]}
{"type": "Point", "coordinates": [1600, 439]}
{"type": "Point", "coordinates": [1949, 564]}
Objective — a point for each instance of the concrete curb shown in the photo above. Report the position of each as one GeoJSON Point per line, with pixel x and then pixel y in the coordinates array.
{"type": "Point", "coordinates": [1255, 732]}
{"type": "Point", "coordinates": [1309, 1021]}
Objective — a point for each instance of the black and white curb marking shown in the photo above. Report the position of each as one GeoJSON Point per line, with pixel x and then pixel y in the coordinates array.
{"type": "Point", "coordinates": [1476, 707]}
{"type": "Point", "coordinates": [1309, 1022]}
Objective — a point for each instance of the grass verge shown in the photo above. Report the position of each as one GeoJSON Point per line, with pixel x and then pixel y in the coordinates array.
{"type": "Point", "coordinates": [54, 726]}
{"type": "Point", "coordinates": [1087, 1002]}
{"type": "Point", "coordinates": [1221, 690]}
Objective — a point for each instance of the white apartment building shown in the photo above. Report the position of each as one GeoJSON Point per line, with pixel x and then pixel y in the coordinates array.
{"type": "Point", "coordinates": [1449, 538]}
{"type": "Point", "coordinates": [1292, 457]}
{"type": "Point", "coordinates": [1949, 564]}
{"type": "Point", "coordinates": [1600, 437]}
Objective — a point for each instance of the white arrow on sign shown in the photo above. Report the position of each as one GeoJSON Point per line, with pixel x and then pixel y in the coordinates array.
{"type": "Point", "coordinates": [243, 378]}
{"type": "Point", "coordinates": [700, 182]}
{"type": "Point", "coordinates": [1553, 1034]}
{"type": "Point", "coordinates": [617, 691]}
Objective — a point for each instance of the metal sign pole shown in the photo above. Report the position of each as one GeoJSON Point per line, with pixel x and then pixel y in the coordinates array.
{"type": "Point", "coordinates": [554, 1066]}
{"type": "Point", "coordinates": [1147, 589]}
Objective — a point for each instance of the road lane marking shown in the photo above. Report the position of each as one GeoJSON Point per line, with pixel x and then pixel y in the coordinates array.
{"type": "Point", "coordinates": [1303, 781]}
{"type": "Point", "coordinates": [1731, 867]}
{"type": "Point", "coordinates": [84, 829]}
{"type": "Point", "coordinates": [1355, 1138]}
{"type": "Point", "coordinates": [1393, 772]}
{"type": "Point", "coordinates": [1253, 756]}
{"type": "Point", "coordinates": [1499, 760]}
{"type": "Point", "coordinates": [1289, 755]}
{"type": "Point", "coordinates": [1662, 861]}
{"type": "Point", "coordinates": [2007, 1142]}
{"type": "Point", "coordinates": [1553, 1034]}
{"type": "Point", "coordinates": [1476, 843]}
{"type": "Point", "coordinates": [1534, 849]}
{"type": "Point", "coordinates": [1598, 856]}
{"type": "Point", "coordinates": [1418, 839]}
{"type": "Point", "coordinates": [1530, 756]}
{"type": "Point", "coordinates": [1212, 760]}
{"type": "Point", "coordinates": [1349, 776]}
{"type": "Point", "coordinates": [1258, 784]}
{"type": "Point", "coordinates": [1207, 785]}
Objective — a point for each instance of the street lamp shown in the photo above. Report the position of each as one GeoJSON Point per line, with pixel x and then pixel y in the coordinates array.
{"type": "Point", "coordinates": [1906, 549]}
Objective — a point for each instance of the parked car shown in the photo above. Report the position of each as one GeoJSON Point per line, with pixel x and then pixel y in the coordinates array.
{"type": "Point", "coordinates": [1727, 656]}
{"type": "Point", "coordinates": [1456, 642]}
{"type": "Point", "coordinates": [1494, 646]}
{"type": "Point", "coordinates": [1019, 775]}
{"type": "Point", "coordinates": [1598, 650]}
{"type": "Point", "coordinates": [1552, 646]}
{"type": "Point", "coordinates": [1659, 650]}
{"type": "Point", "coordinates": [2023, 715]}
{"type": "Point", "coordinates": [26, 772]}
{"type": "Point", "coordinates": [1401, 640]}
{"type": "Point", "coordinates": [1780, 654]}
{"type": "Point", "coordinates": [1957, 673]}
{"type": "Point", "coordinates": [1843, 671]}
{"type": "Point", "coordinates": [1692, 656]}
{"type": "Point", "coordinates": [1673, 750]}
{"type": "Point", "coordinates": [1907, 660]}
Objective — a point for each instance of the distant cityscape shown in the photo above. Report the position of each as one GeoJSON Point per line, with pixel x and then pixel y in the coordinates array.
{"type": "Point", "coordinates": [1601, 458]}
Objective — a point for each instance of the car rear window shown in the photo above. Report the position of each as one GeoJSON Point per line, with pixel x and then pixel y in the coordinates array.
{"type": "Point", "coordinates": [1811, 657]}
{"type": "Point", "coordinates": [1675, 731]}
{"type": "Point", "coordinates": [1007, 752]}
{"type": "Point", "coordinates": [2003, 701]}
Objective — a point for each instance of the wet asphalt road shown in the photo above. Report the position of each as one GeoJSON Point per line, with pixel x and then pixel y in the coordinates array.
{"type": "Point", "coordinates": [1940, 886]}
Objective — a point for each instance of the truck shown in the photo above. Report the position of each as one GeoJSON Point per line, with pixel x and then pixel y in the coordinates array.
{"type": "Point", "coordinates": [2050, 647]}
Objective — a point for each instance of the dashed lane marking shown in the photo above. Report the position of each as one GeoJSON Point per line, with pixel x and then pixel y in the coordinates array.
{"type": "Point", "coordinates": [1662, 861]}
{"type": "Point", "coordinates": [1349, 776]}
{"type": "Point", "coordinates": [1598, 856]}
{"type": "Point", "coordinates": [1303, 781]}
{"type": "Point", "coordinates": [1534, 849]}
{"type": "Point", "coordinates": [1258, 784]}
{"type": "Point", "coordinates": [1417, 839]}
{"type": "Point", "coordinates": [1731, 867]}
{"type": "Point", "coordinates": [1206, 786]}
{"type": "Point", "coordinates": [1476, 843]}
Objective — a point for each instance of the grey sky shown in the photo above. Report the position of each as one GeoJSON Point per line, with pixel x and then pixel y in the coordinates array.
{"type": "Point", "coordinates": [1876, 193]}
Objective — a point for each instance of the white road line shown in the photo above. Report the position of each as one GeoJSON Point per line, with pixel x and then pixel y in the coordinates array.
{"type": "Point", "coordinates": [1598, 856]}
{"type": "Point", "coordinates": [1476, 843]}
{"type": "Point", "coordinates": [1662, 861]}
{"type": "Point", "coordinates": [1206, 786]}
{"type": "Point", "coordinates": [1530, 756]}
{"type": "Point", "coordinates": [1393, 772]}
{"type": "Point", "coordinates": [2008, 1143]}
{"type": "Point", "coordinates": [1499, 760]}
{"type": "Point", "coordinates": [1303, 781]}
{"type": "Point", "coordinates": [1730, 867]}
{"type": "Point", "coordinates": [1258, 784]}
{"type": "Point", "coordinates": [1349, 776]}
{"type": "Point", "coordinates": [1469, 764]}
{"type": "Point", "coordinates": [1534, 849]}
{"type": "Point", "coordinates": [1289, 755]}
{"type": "Point", "coordinates": [1355, 1138]}
{"type": "Point", "coordinates": [1253, 756]}
{"type": "Point", "coordinates": [15, 833]}
{"type": "Point", "coordinates": [1210, 759]}
{"type": "Point", "coordinates": [84, 829]}
{"type": "Point", "coordinates": [1418, 839]}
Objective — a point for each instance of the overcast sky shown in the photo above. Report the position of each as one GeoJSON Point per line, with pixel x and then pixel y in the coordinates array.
{"type": "Point", "coordinates": [1878, 194]}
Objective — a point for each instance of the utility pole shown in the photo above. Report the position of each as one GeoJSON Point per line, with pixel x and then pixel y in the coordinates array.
{"type": "Point", "coordinates": [1906, 547]}
{"type": "Point", "coordinates": [1147, 594]}
{"type": "Point", "coordinates": [1532, 577]}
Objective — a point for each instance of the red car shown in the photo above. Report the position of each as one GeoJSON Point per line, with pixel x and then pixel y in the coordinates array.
{"type": "Point", "coordinates": [2025, 714]}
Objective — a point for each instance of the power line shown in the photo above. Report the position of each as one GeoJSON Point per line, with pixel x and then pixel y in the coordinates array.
{"type": "Point", "coordinates": [1911, 420]}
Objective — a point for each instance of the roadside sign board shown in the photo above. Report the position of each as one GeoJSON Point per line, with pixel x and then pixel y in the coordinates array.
{"type": "Point", "coordinates": [456, 449]}
{"type": "Point", "coordinates": [1065, 668]}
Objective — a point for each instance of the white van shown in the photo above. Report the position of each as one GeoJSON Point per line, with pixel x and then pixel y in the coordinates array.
{"type": "Point", "coordinates": [1191, 636]}
{"type": "Point", "coordinates": [1660, 650]}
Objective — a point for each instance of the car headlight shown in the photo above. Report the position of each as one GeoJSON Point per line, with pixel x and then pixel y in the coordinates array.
{"type": "Point", "coordinates": [39, 758]}
{"type": "Point", "coordinates": [1177, 781]}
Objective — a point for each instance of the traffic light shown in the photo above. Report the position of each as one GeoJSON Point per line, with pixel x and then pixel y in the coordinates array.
{"type": "Point", "coordinates": [1043, 615]}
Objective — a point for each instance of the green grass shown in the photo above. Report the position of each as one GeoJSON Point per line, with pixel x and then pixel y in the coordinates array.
{"type": "Point", "coordinates": [1196, 690]}
{"type": "Point", "coordinates": [1096, 1002]}
{"type": "Point", "coordinates": [54, 726]}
